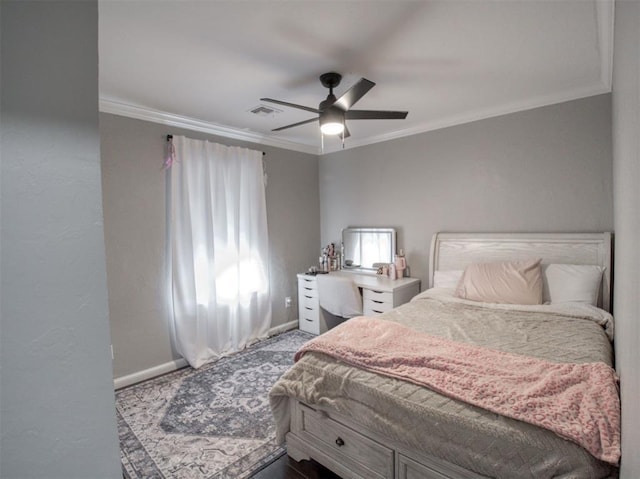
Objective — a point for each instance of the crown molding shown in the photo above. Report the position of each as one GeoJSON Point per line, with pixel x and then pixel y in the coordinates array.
{"type": "Point", "coordinates": [476, 115]}
{"type": "Point", "coordinates": [156, 116]}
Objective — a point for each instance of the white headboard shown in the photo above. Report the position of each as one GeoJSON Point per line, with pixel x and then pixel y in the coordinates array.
{"type": "Point", "coordinates": [454, 251]}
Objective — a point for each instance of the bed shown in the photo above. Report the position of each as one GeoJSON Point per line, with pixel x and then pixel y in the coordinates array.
{"type": "Point", "coordinates": [363, 424]}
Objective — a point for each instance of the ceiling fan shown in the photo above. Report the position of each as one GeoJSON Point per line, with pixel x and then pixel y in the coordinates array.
{"type": "Point", "coordinates": [332, 112]}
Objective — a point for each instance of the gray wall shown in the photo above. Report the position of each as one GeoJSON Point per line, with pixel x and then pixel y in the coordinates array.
{"type": "Point", "coordinates": [134, 209]}
{"type": "Point", "coordinates": [547, 169]}
{"type": "Point", "coordinates": [626, 177]}
{"type": "Point", "coordinates": [57, 417]}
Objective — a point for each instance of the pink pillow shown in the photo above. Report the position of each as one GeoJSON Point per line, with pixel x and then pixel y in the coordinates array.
{"type": "Point", "coordinates": [517, 282]}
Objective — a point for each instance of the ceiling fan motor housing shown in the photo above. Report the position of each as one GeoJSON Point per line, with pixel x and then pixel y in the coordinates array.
{"type": "Point", "coordinates": [325, 104]}
{"type": "Point", "coordinates": [329, 113]}
{"type": "Point", "coordinates": [330, 80]}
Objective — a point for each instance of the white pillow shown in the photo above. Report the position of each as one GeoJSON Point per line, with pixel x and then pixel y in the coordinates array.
{"type": "Point", "coordinates": [447, 279]}
{"type": "Point", "coordinates": [564, 283]}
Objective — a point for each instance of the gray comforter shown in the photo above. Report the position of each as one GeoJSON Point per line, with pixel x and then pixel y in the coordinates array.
{"type": "Point", "coordinates": [470, 437]}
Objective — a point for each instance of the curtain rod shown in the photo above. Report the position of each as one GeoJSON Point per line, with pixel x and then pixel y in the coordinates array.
{"type": "Point", "coordinates": [170, 137]}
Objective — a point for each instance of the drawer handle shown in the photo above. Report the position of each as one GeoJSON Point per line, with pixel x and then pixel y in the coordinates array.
{"type": "Point", "coordinates": [308, 297]}
{"type": "Point", "coordinates": [379, 302]}
{"type": "Point", "coordinates": [377, 292]}
{"type": "Point", "coordinates": [310, 320]}
{"type": "Point", "coordinates": [309, 289]}
{"type": "Point", "coordinates": [379, 312]}
{"type": "Point", "coordinates": [339, 442]}
{"type": "Point", "coordinates": [307, 307]}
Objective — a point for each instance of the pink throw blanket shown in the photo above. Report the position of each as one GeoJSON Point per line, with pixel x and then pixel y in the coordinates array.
{"type": "Point", "coordinates": [579, 402]}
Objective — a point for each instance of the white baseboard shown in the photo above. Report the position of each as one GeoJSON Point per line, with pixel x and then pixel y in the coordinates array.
{"type": "Point", "coordinates": [165, 368]}
{"type": "Point", "coordinates": [282, 328]}
{"type": "Point", "coordinates": [171, 366]}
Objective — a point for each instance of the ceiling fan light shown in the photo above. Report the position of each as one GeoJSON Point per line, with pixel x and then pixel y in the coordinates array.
{"type": "Point", "coordinates": [332, 128]}
{"type": "Point", "coordinates": [332, 121]}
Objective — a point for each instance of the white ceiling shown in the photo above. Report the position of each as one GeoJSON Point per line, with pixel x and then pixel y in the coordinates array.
{"type": "Point", "coordinates": [205, 64]}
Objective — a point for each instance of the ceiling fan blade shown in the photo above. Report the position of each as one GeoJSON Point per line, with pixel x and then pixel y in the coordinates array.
{"type": "Point", "coordinates": [353, 94]}
{"type": "Point", "coordinates": [375, 115]}
{"type": "Point", "coordinates": [292, 105]}
{"type": "Point", "coordinates": [296, 124]}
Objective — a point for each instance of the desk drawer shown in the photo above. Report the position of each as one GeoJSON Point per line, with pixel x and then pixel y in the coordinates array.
{"type": "Point", "coordinates": [309, 320]}
{"type": "Point", "coordinates": [364, 455]}
{"type": "Point", "coordinates": [309, 282]}
{"type": "Point", "coordinates": [308, 301]}
{"type": "Point", "coordinates": [378, 296]}
{"type": "Point", "coordinates": [373, 308]}
{"type": "Point", "coordinates": [306, 290]}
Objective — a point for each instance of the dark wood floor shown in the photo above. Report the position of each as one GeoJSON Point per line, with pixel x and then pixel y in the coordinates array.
{"type": "Point", "coordinates": [287, 468]}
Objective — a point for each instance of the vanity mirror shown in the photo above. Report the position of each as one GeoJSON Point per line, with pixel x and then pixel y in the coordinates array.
{"type": "Point", "coordinates": [364, 248]}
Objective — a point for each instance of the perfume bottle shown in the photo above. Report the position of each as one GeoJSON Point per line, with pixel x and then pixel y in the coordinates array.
{"type": "Point", "coordinates": [400, 263]}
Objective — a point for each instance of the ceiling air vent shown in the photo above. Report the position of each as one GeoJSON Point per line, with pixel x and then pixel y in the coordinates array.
{"type": "Point", "coordinates": [263, 110]}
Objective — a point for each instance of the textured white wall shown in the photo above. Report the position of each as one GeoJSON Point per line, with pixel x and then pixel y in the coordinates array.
{"type": "Point", "coordinates": [57, 417]}
{"type": "Point", "coordinates": [547, 170]}
{"type": "Point", "coordinates": [626, 180]}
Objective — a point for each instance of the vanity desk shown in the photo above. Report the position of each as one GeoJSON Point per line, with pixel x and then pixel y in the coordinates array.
{"type": "Point", "coordinates": [379, 294]}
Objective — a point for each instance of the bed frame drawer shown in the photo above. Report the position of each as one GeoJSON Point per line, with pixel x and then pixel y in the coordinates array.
{"type": "Point", "coordinates": [365, 456]}
{"type": "Point", "coordinates": [410, 469]}
{"type": "Point", "coordinates": [363, 453]}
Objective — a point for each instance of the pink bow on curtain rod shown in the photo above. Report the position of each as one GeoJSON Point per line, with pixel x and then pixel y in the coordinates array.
{"type": "Point", "coordinates": [171, 153]}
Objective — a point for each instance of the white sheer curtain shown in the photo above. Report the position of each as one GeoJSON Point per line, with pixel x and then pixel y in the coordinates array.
{"type": "Point", "coordinates": [219, 249]}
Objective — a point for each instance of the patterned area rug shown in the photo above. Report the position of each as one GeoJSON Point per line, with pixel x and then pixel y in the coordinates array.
{"type": "Point", "coordinates": [210, 423]}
